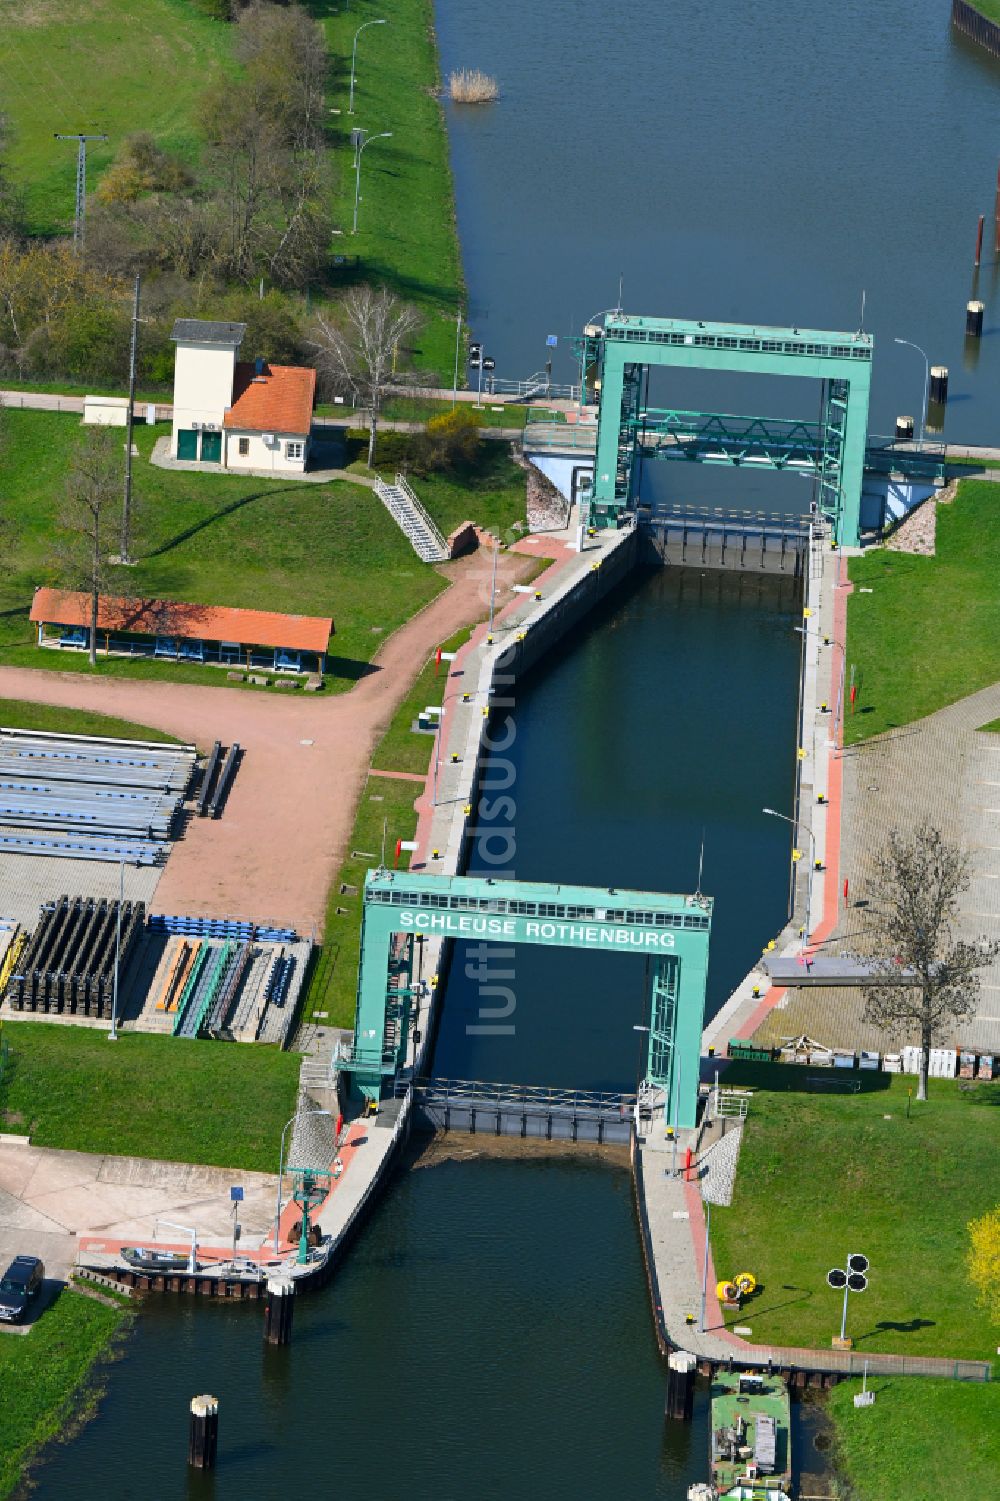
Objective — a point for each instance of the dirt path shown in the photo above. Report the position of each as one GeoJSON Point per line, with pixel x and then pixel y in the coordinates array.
{"type": "Point", "coordinates": [290, 813]}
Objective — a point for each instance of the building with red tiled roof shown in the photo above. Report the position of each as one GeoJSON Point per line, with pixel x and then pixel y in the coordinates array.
{"type": "Point", "coordinates": [191, 633]}
{"type": "Point", "coordinates": [237, 415]}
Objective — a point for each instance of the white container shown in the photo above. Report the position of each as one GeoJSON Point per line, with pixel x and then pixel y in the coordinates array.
{"type": "Point", "coordinates": [892, 1063]}
{"type": "Point", "coordinates": [911, 1060]}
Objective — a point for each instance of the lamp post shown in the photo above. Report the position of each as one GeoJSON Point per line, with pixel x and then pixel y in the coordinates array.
{"type": "Point", "coordinates": [797, 824]}
{"type": "Point", "coordinates": [839, 646]}
{"type": "Point", "coordinates": [281, 1166]}
{"type": "Point", "coordinates": [113, 1034]}
{"type": "Point", "coordinates": [354, 55]}
{"type": "Point", "coordinates": [382, 136]}
{"type": "Point", "coordinates": [927, 381]}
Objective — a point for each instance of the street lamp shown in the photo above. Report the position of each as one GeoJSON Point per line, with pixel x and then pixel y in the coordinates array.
{"type": "Point", "coordinates": [281, 1166]}
{"type": "Point", "coordinates": [797, 824]}
{"type": "Point", "coordinates": [354, 54]}
{"type": "Point", "coordinates": [927, 379]}
{"type": "Point", "coordinates": [113, 1034]}
{"type": "Point", "coordinates": [839, 645]}
{"type": "Point", "coordinates": [382, 136]}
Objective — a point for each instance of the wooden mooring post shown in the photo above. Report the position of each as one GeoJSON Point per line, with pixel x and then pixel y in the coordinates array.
{"type": "Point", "coordinates": [278, 1309]}
{"type": "Point", "coordinates": [203, 1436]}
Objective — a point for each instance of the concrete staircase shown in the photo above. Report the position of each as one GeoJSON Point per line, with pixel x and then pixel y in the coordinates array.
{"type": "Point", "coordinates": [412, 520]}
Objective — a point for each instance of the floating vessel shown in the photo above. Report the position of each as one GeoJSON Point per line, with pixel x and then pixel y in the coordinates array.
{"type": "Point", "coordinates": [750, 1448]}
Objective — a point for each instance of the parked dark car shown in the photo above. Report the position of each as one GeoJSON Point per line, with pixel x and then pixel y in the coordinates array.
{"type": "Point", "coordinates": [21, 1282]}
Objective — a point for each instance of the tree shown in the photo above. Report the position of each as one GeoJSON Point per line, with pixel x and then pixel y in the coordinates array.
{"type": "Point", "coordinates": [142, 166]}
{"type": "Point", "coordinates": [88, 517]}
{"type": "Point", "coordinates": [983, 1261]}
{"type": "Point", "coordinates": [915, 904]}
{"type": "Point", "coordinates": [361, 357]}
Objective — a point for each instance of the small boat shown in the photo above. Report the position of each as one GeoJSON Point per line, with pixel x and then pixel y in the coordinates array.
{"type": "Point", "coordinates": [155, 1261]}
{"type": "Point", "coordinates": [751, 1439]}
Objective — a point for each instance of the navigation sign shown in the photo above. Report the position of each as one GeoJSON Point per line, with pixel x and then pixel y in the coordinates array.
{"type": "Point", "coordinates": [475, 349]}
{"type": "Point", "coordinates": [475, 363]}
{"type": "Point", "coordinates": [552, 341]}
{"type": "Point", "coordinates": [236, 1194]}
{"type": "Point", "coordinates": [489, 363]}
{"type": "Point", "coordinates": [853, 1280]}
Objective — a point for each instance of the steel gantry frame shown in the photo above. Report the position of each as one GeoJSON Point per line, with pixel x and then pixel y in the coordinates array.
{"type": "Point", "coordinates": [672, 931]}
{"type": "Point", "coordinates": [617, 356]}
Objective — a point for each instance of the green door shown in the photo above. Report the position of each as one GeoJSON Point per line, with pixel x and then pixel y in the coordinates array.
{"type": "Point", "coordinates": [211, 448]}
{"type": "Point", "coordinates": [187, 443]}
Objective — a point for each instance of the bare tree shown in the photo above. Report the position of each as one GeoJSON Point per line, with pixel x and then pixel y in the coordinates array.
{"type": "Point", "coordinates": [88, 517]}
{"type": "Point", "coordinates": [915, 905]}
{"type": "Point", "coordinates": [361, 357]}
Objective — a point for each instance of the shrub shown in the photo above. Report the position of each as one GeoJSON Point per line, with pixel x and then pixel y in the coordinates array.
{"type": "Point", "coordinates": [472, 86]}
{"type": "Point", "coordinates": [451, 441]}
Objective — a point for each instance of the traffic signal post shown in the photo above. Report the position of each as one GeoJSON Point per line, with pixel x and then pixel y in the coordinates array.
{"type": "Point", "coordinates": [852, 1280]}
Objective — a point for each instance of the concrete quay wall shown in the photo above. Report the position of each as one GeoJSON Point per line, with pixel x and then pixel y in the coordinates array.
{"type": "Point", "coordinates": [476, 701]}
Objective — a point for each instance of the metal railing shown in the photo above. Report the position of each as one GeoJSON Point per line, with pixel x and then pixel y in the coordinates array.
{"type": "Point", "coordinates": [521, 1096]}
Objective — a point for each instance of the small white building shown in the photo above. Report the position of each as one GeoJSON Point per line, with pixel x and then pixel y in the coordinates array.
{"type": "Point", "coordinates": [237, 415]}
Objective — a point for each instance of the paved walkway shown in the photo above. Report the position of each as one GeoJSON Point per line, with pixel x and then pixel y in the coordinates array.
{"type": "Point", "coordinates": [49, 1200]}
{"type": "Point", "coordinates": [942, 769]}
{"type": "Point", "coordinates": [288, 818]}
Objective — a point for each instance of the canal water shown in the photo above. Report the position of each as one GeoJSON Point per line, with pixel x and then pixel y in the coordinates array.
{"type": "Point", "coordinates": [489, 1332]}
{"type": "Point", "coordinates": [763, 163]}
{"type": "Point", "coordinates": [662, 727]}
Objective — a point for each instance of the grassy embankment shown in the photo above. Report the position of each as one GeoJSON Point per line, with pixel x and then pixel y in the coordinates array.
{"type": "Point", "coordinates": [988, 8]}
{"type": "Point", "coordinates": [922, 1440]}
{"type": "Point", "coordinates": [147, 1096]}
{"type": "Point", "coordinates": [927, 634]}
{"type": "Point", "coordinates": [43, 1376]}
{"type": "Point", "coordinates": [230, 540]}
{"type": "Point", "coordinates": [407, 237]}
{"type": "Point", "coordinates": [823, 1174]}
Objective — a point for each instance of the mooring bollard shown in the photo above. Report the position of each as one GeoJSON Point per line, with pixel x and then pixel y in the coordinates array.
{"type": "Point", "coordinates": [681, 1366]}
{"type": "Point", "coordinates": [974, 319]}
{"type": "Point", "coordinates": [203, 1438]}
{"type": "Point", "coordinates": [278, 1308]}
{"type": "Point", "coordinates": [939, 384]}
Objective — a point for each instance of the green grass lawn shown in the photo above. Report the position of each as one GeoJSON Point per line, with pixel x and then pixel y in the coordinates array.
{"type": "Point", "coordinates": [927, 634]}
{"type": "Point", "coordinates": [19, 714]}
{"type": "Point", "coordinates": [822, 1175]}
{"type": "Point", "coordinates": [406, 236]}
{"type": "Point", "coordinates": [149, 1096]}
{"type": "Point", "coordinates": [44, 1378]}
{"type": "Point", "coordinates": [401, 748]}
{"type": "Point", "coordinates": [100, 67]}
{"type": "Point", "coordinates": [385, 803]}
{"type": "Point", "coordinates": [215, 539]}
{"type": "Point", "coordinates": [233, 540]}
{"type": "Point", "coordinates": [993, 728]}
{"type": "Point", "coordinates": [922, 1440]}
{"type": "Point", "coordinates": [988, 8]}
{"type": "Point", "coordinates": [420, 409]}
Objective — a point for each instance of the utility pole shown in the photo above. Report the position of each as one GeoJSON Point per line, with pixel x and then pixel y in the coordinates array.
{"type": "Point", "coordinates": [81, 182]}
{"type": "Point", "coordinates": [123, 547]}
